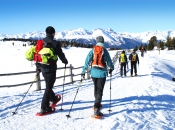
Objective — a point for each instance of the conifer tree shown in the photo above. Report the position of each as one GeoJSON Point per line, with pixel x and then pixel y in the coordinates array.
{"type": "Point", "coordinates": [168, 42]}
{"type": "Point", "coordinates": [136, 48]}
{"type": "Point", "coordinates": [160, 44]}
{"type": "Point", "coordinates": [173, 42]}
{"type": "Point", "coordinates": [152, 43]}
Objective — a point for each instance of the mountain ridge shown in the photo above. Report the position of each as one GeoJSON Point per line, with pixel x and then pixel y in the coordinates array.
{"type": "Point", "coordinates": [112, 39]}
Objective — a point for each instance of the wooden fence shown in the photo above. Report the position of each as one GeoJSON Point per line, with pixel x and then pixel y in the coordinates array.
{"type": "Point", "coordinates": [38, 80]}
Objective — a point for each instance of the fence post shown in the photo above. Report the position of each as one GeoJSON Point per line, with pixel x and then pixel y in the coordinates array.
{"type": "Point", "coordinates": [117, 55]}
{"type": "Point", "coordinates": [38, 83]}
{"type": "Point", "coordinates": [88, 74]}
{"type": "Point", "coordinates": [71, 77]}
{"type": "Point", "coordinates": [115, 58]}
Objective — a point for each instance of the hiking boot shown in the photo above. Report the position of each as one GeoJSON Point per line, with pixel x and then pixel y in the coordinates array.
{"type": "Point", "coordinates": [131, 75]}
{"type": "Point", "coordinates": [48, 109]}
{"type": "Point", "coordinates": [135, 75]}
{"type": "Point", "coordinates": [97, 112]}
{"type": "Point", "coordinates": [57, 99]}
{"type": "Point", "coordinates": [100, 106]}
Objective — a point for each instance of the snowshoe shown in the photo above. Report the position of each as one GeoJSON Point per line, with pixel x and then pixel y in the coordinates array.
{"type": "Point", "coordinates": [97, 114]}
{"type": "Point", "coordinates": [46, 111]}
{"type": "Point", "coordinates": [54, 103]}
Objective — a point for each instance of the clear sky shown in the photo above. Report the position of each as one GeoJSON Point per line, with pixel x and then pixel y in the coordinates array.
{"type": "Point", "coordinates": [134, 16]}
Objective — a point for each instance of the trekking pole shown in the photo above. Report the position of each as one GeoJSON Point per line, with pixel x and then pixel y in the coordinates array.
{"type": "Point", "coordinates": [110, 95]}
{"type": "Point", "coordinates": [127, 66]}
{"type": "Point", "coordinates": [118, 67]}
{"type": "Point", "coordinates": [68, 116]}
{"type": "Point", "coordinates": [63, 86]}
{"type": "Point", "coordinates": [26, 93]}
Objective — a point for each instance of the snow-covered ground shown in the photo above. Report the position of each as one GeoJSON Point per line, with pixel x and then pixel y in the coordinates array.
{"type": "Point", "coordinates": [145, 102]}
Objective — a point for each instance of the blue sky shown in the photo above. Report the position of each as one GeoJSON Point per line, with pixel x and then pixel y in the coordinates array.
{"type": "Point", "coordinates": [134, 16]}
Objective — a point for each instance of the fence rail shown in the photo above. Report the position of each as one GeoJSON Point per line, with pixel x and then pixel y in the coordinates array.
{"type": "Point", "coordinates": [38, 81]}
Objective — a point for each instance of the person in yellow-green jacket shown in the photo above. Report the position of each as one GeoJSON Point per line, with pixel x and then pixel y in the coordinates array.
{"type": "Point", "coordinates": [123, 61]}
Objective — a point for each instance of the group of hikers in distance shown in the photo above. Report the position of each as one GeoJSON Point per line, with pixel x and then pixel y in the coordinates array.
{"type": "Point", "coordinates": [123, 62]}
{"type": "Point", "coordinates": [46, 54]}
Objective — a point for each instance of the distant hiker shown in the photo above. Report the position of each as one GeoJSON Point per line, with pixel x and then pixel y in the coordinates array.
{"type": "Point", "coordinates": [99, 59]}
{"type": "Point", "coordinates": [142, 51]}
{"type": "Point", "coordinates": [49, 71]}
{"type": "Point", "coordinates": [123, 61]}
{"type": "Point", "coordinates": [134, 59]}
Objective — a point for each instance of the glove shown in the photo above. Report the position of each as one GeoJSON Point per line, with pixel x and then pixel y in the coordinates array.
{"type": "Point", "coordinates": [65, 61]}
{"type": "Point", "coordinates": [83, 76]}
{"type": "Point", "coordinates": [110, 71]}
{"type": "Point", "coordinates": [38, 70]}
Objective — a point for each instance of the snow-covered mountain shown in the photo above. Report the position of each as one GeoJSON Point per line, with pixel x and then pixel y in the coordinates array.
{"type": "Point", "coordinates": [112, 38]}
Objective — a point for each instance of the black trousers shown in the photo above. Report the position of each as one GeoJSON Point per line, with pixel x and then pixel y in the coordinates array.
{"type": "Point", "coordinates": [99, 84]}
{"type": "Point", "coordinates": [133, 66]}
{"type": "Point", "coordinates": [49, 95]}
{"type": "Point", "coordinates": [122, 67]}
{"type": "Point", "coordinates": [142, 53]}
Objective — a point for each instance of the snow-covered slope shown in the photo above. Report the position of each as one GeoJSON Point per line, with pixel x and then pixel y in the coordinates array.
{"type": "Point", "coordinates": [145, 102]}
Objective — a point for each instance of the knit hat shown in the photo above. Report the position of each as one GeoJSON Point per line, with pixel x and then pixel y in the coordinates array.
{"type": "Point", "coordinates": [50, 30]}
{"type": "Point", "coordinates": [100, 39]}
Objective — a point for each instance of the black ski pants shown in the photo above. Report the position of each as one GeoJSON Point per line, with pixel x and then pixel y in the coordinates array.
{"type": "Point", "coordinates": [122, 68]}
{"type": "Point", "coordinates": [49, 95]}
{"type": "Point", "coordinates": [133, 66]}
{"type": "Point", "coordinates": [99, 84]}
{"type": "Point", "coordinates": [142, 53]}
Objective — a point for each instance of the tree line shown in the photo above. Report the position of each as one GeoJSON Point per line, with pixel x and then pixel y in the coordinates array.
{"type": "Point", "coordinates": [153, 42]}
{"type": "Point", "coordinates": [63, 43]}
{"type": "Point", "coordinates": [170, 43]}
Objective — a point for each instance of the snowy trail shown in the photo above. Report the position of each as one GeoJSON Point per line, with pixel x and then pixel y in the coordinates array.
{"type": "Point", "coordinates": [143, 102]}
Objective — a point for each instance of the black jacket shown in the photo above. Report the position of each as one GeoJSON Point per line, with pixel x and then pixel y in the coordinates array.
{"type": "Point", "coordinates": [137, 58]}
{"type": "Point", "coordinates": [57, 50]}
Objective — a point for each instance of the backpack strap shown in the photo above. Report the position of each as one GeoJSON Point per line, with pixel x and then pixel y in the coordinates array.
{"type": "Point", "coordinates": [49, 45]}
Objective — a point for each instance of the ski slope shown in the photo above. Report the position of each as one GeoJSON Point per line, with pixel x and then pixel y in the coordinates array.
{"type": "Point", "coordinates": [145, 102]}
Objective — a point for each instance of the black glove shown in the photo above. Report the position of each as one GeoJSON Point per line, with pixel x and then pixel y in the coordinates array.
{"type": "Point", "coordinates": [65, 62]}
{"type": "Point", "coordinates": [83, 76]}
{"type": "Point", "coordinates": [110, 71]}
